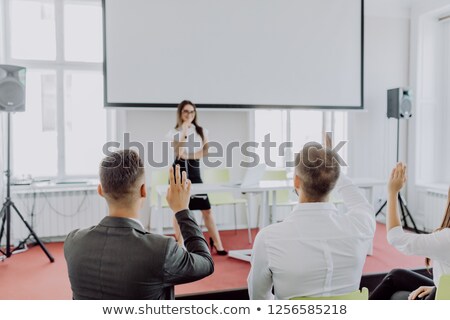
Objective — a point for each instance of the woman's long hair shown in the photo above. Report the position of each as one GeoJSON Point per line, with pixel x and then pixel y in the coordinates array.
{"type": "Point", "coordinates": [445, 224]}
{"type": "Point", "coordinates": [180, 120]}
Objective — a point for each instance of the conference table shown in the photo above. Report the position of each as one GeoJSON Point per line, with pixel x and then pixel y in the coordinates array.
{"type": "Point", "coordinates": [264, 188]}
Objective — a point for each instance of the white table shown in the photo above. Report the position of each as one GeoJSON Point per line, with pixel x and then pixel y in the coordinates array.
{"type": "Point", "coordinates": [263, 188]}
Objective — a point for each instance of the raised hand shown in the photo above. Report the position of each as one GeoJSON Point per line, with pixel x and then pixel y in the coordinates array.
{"type": "Point", "coordinates": [397, 179]}
{"type": "Point", "coordinates": [327, 140]}
{"type": "Point", "coordinates": [179, 191]}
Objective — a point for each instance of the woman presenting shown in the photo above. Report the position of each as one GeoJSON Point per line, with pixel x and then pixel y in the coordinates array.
{"type": "Point", "coordinates": [191, 144]}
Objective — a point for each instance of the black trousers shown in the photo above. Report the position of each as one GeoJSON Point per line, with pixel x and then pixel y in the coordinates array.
{"type": "Point", "coordinates": [401, 280]}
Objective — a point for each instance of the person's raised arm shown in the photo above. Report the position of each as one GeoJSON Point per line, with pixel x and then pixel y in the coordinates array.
{"type": "Point", "coordinates": [395, 184]}
{"type": "Point", "coordinates": [349, 192]}
{"type": "Point", "coordinates": [430, 245]}
{"type": "Point", "coordinates": [181, 265]}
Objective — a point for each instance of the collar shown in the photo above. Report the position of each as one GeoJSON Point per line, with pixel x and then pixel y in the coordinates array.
{"type": "Point", "coordinates": [192, 127]}
{"type": "Point", "coordinates": [313, 207]}
{"type": "Point", "coordinates": [121, 222]}
{"type": "Point", "coordinates": [138, 221]}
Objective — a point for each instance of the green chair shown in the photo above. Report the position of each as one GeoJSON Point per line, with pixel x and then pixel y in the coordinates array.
{"type": "Point", "coordinates": [282, 196]}
{"type": "Point", "coordinates": [222, 176]}
{"type": "Point", "coordinates": [158, 177]}
{"type": "Point", "coordinates": [356, 295]}
{"type": "Point", "coordinates": [443, 289]}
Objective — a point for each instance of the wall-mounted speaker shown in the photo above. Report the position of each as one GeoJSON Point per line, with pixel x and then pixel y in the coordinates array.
{"type": "Point", "coordinates": [399, 103]}
{"type": "Point", "coordinates": [12, 88]}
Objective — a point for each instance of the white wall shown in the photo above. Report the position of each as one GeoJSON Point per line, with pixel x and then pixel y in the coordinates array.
{"type": "Point", "coordinates": [223, 126]}
{"type": "Point", "coordinates": [372, 137]}
{"type": "Point", "coordinates": [425, 79]}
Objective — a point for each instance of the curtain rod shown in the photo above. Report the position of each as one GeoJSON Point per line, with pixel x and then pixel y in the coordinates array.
{"type": "Point", "coordinates": [444, 18]}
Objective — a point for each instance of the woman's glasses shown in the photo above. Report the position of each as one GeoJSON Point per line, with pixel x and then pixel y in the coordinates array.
{"type": "Point", "coordinates": [188, 112]}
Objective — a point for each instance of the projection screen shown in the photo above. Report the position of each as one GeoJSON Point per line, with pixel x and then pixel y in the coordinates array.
{"type": "Point", "coordinates": [234, 53]}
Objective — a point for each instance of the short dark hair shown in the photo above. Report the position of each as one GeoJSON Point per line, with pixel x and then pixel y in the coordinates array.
{"type": "Point", "coordinates": [119, 173]}
{"type": "Point", "coordinates": [318, 169]}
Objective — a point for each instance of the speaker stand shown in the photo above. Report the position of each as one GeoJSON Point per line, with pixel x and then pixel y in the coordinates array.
{"type": "Point", "coordinates": [404, 212]}
{"type": "Point", "coordinates": [6, 211]}
{"type": "Point", "coordinates": [403, 208]}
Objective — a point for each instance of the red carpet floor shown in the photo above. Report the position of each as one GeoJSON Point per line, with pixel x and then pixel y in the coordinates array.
{"type": "Point", "coordinates": [30, 275]}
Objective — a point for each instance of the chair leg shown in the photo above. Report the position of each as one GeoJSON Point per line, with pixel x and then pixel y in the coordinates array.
{"type": "Point", "coordinates": [249, 224]}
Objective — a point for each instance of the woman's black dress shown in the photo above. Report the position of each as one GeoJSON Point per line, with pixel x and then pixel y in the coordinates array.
{"type": "Point", "coordinates": [192, 168]}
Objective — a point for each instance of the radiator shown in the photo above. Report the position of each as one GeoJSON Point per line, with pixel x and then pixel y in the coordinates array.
{"type": "Point", "coordinates": [53, 214]}
{"type": "Point", "coordinates": [435, 206]}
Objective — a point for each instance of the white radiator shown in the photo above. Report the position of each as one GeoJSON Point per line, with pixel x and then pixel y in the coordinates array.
{"type": "Point", "coordinates": [53, 214]}
{"type": "Point", "coordinates": [435, 206]}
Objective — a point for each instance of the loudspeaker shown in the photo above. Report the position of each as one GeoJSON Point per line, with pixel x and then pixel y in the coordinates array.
{"type": "Point", "coordinates": [12, 88]}
{"type": "Point", "coordinates": [399, 103]}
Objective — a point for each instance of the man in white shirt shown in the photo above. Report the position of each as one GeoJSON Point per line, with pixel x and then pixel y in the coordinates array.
{"type": "Point", "coordinates": [315, 251]}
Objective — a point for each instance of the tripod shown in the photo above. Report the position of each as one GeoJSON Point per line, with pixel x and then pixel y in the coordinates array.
{"type": "Point", "coordinates": [403, 208]}
{"type": "Point", "coordinates": [6, 211]}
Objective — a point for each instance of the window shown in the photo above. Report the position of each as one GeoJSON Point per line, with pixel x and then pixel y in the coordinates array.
{"type": "Point", "coordinates": [62, 131]}
{"type": "Point", "coordinates": [298, 127]}
{"type": "Point", "coordinates": [34, 145]}
{"type": "Point", "coordinates": [83, 94]}
{"type": "Point", "coordinates": [270, 125]}
{"type": "Point", "coordinates": [432, 115]}
{"type": "Point", "coordinates": [32, 29]}
{"type": "Point", "coordinates": [306, 126]}
{"type": "Point", "coordinates": [83, 37]}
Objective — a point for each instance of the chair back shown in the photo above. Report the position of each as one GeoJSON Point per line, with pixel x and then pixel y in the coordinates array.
{"type": "Point", "coordinates": [443, 289]}
{"type": "Point", "coordinates": [218, 176]}
{"type": "Point", "coordinates": [159, 177]}
{"type": "Point", "coordinates": [356, 295]}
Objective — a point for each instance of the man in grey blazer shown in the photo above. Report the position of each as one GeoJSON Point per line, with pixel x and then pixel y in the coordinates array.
{"type": "Point", "coordinates": [118, 259]}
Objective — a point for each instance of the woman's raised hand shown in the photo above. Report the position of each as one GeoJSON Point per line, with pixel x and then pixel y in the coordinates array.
{"type": "Point", "coordinates": [398, 178]}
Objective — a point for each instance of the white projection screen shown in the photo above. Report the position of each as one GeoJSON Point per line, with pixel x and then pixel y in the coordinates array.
{"type": "Point", "coordinates": [234, 53]}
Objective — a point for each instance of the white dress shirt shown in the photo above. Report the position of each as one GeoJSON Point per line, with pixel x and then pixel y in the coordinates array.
{"type": "Point", "coordinates": [435, 246]}
{"type": "Point", "coordinates": [174, 135]}
{"type": "Point", "coordinates": [315, 251]}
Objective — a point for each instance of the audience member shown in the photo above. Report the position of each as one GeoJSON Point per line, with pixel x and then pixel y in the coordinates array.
{"type": "Point", "coordinates": [315, 251]}
{"type": "Point", "coordinates": [405, 283]}
{"type": "Point", "coordinates": [118, 258]}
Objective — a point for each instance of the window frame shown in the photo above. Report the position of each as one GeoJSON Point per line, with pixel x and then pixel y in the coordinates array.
{"type": "Point", "coordinates": [59, 65]}
{"type": "Point", "coordinates": [328, 125]}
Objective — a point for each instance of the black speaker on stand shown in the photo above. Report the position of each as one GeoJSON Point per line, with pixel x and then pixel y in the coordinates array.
{"type": "Point", "coordinates": [399, 105]}
{"type": "Point", "coordinates": [12, 99]}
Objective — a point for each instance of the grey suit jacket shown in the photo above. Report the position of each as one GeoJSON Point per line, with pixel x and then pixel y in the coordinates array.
{"type": "Point", "coordinates": [118, 259]}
